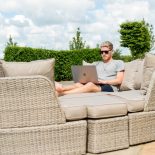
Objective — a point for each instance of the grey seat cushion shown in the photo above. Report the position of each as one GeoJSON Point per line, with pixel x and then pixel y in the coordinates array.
{"type": "Point", "coordinates": [72, 108]}
{"type": "Point", "coordinates": [92, 105]}
{"type": "Point", "coordinates": [134, 99]}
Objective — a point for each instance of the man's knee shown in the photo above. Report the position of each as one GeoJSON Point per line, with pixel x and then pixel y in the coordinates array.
{"type": "Point", "coordinates": [90, 84]}
{"type": "Point", "coordinates": [92, 87]}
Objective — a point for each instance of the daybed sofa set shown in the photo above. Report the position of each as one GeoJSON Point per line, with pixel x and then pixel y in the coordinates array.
{"type": "Point", "coordinates": [33, 120]}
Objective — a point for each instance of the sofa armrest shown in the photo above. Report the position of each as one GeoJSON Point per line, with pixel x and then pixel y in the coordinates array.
{"type": "Point", "coordinates": [28, 101]}
{"type": "Point", "coordinates": [150, 96]}
{"type": "Point", "coordinates": [1, 71]}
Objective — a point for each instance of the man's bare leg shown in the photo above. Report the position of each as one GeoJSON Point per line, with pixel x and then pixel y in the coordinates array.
{"type": "Point", "coordinates": [60, 88]}
{"type": "Point", "coordinates": [73, 86]}
{"type": "Point", "coordinates": [89, 87]}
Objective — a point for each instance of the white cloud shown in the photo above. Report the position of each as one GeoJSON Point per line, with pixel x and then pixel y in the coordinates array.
{"type": "Point", "coordinates": [19, 21]}
{"type": "Point", "coordinates": [44, 12]}
{"type": "Point", "coordinates": [52, 24]}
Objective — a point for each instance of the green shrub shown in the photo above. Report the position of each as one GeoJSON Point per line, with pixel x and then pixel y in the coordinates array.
{"type": "Point", "coordinates": [64, 59]}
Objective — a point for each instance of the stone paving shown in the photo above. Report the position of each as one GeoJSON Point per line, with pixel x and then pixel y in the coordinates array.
{"type": "Point", "coordinates": [144, 149]}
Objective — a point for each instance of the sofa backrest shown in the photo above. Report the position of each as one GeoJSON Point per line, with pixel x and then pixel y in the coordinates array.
{"type": "Point", "coordinates": [28, 101]}
{"type": "Point", "coordinates": [132, 75]}
{"type": "Point", "coordinates": [37, 67]}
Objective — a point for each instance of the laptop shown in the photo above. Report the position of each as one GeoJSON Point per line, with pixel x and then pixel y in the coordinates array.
{"type": "Point", "coordinates": [84, 74]}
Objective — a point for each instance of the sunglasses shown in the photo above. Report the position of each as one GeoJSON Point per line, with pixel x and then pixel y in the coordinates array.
{"type": "Point", "coordinates": [105, 52]}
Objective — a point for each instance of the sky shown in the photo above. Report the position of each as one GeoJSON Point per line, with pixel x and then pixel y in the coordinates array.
{"type": "Point", "coordinates": [51, 24]}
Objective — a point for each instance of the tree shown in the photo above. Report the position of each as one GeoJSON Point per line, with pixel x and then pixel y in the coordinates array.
{"type": "Point", "coordinates": [10, 42]}
{"type": "Point", "coordinates": [138, 37]}
{"type": "Point", "coordinates": [97, 45]}
{"type": "Point", "coordinates": [77, 42]}
{"type": "Point", "coordinates": [117, 54]}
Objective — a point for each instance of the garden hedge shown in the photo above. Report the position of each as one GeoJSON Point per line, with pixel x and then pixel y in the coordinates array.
{"type": "Point", "coordinates": [64, 59]}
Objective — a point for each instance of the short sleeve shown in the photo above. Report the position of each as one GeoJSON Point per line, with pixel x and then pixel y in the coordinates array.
{"type": "Point", "coordinates": [120, 66]}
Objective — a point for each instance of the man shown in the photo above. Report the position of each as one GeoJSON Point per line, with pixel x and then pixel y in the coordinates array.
{"type": "Point", "coordinates": [110, 74]}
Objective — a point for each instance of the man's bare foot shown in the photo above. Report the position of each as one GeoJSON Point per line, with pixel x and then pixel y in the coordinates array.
{"type": "Point", "coordinates": [59, 94]}
{"type": "Point", "coordinates": [58, 87]}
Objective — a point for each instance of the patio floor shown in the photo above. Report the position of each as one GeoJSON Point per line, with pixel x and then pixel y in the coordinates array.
{"type": "Point", "coordinates": [144, 149]}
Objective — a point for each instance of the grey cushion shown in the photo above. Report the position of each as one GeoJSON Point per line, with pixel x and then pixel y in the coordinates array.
{"type": "Point", "coordinates": [132, 75]}
{"type": "Point", "coordinates": [72, 108]}
{"type": "Point", "coordinates": [38, 67]}
{"type": "Point", "coordinates": [92, 105]}
{"type": "Point", "coordinates": [128, 80]}
{"type": "Point", "coordinates": [139, 74]}
{"type": "Point", "coordinates": [134, 99]}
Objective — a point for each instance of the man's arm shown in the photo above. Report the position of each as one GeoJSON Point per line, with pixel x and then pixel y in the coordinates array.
{"type": "Point", "coordinates": [117, 81]}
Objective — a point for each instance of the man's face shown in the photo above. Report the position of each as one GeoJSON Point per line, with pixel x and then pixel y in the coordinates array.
{"type": "Point", "coordinates": [106, 54]}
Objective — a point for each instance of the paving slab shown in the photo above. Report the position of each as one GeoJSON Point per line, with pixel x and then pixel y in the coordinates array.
{"type": "Point", "coordinates": [143, 149]}
{"type": "Point", "coordinates": [148, 149]}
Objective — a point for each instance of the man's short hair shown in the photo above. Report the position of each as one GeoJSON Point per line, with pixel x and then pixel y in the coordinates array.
{"type": "Point", "coordinates": [107, 44]}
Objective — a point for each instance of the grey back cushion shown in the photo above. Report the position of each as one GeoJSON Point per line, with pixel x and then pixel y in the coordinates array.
{"type": "Point", "coordinates": [133, 75]}
{"type": "Point", "coordinates": [38, 67]}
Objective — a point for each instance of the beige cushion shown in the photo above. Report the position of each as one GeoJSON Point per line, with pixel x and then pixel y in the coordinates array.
{"type": "Point", "coordinates": [139, 74]}
{"type": "Point", "coordinates": [129, 74]}
{"type": "Point", "coordinates": [38, 67]}
{"type": "Point", "coordinates": [134, 99]}
{"type": "Point", "coordinates": [92, 105]}
{"type": "Point", "coordinates": [149, 67]}
{"type": "Point", "coordinates": [72, 108]}
{"type": "Point", "coordinates": [132, 75]}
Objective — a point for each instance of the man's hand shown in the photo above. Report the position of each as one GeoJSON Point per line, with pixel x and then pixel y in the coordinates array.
{"type": "Point", "coordinates": [102, 82]}
{"type": "Point", "coordinates": [118, 80]}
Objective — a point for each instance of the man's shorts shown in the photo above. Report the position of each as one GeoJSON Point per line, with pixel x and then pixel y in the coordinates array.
{"type": "Point", "coordinates": [106, 87]}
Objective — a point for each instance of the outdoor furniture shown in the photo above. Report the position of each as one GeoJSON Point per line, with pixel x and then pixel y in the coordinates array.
{"type": "Point", "coordinates": [117, 120]}
{"type": "Point", "coordinates": [34, 121]}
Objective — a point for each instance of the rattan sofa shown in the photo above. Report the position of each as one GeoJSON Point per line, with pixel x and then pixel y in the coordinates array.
{"type": "Point", "coordinates": [34, 121]}
{"type": "Point", "coordinates": [115, 120]}
{"type": "Point", "coordinates": [118, 120]}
